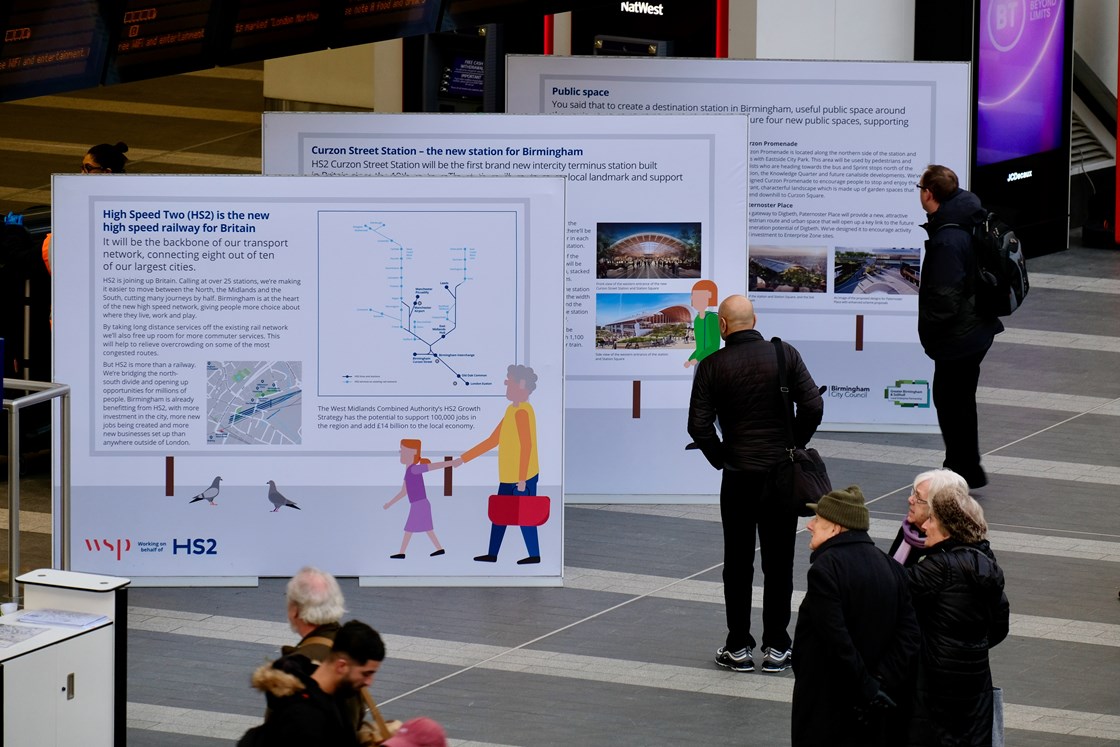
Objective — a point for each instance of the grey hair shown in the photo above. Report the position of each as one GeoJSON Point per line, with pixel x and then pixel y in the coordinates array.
{"type": "Point", "coordinates": [959, 514]}
{"type": "Point", "coordinates": [975, 512]}
{"type": "Point", "coordinates": [316, 596]}
{"type": "Point", "coordinates": [939, 479]}
{"type": "Point", "coordinates": [523, 373]}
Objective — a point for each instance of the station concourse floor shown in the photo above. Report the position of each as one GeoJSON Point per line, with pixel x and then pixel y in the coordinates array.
{"type": "Point", "coordinates": [622, 653]}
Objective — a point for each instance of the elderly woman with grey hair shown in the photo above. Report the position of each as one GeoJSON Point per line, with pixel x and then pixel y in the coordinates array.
{"type": "Point", "coordinates": [957, 592]}
{"type": "Point", "coordinates": [910, 543]}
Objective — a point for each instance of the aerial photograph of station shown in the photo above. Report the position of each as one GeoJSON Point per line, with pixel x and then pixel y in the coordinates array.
{"type": "Point", "coordinates": [640, 321]}
{"type": "Point", "coordinates": [639, 251]}
{"type": "Point", "coordinates": [788, 269]}
{"type": "Point", "coordinates": [893, 272]}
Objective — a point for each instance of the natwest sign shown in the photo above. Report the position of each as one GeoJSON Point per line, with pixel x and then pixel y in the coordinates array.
{"type": "Point", "coordinates": [648, 8]}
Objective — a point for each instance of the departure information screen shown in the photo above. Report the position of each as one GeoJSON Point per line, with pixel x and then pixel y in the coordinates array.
{"type": "Point", "coordinates": [160, 37]}
{"type": "Point", "coordinates": [50, 46]}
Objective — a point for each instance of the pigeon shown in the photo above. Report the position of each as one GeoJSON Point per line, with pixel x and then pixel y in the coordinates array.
{"type": "Point", "coordinates": [209, 494]}
{"type": "Point", "coordinates": [278, 498]}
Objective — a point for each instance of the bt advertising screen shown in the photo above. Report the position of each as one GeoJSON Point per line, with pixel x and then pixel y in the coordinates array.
{"type": "Point", "coordinates": [1020, 78]}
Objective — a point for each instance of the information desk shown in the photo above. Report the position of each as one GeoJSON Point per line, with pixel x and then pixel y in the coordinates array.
{"type": "Point", "coordinates": [64, 684]}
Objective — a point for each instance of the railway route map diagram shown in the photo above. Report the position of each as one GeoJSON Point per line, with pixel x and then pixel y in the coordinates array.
{"type": "Point", "coordinates": [254, 402]}
{"type": "Point", "coordinates": [417, 302]}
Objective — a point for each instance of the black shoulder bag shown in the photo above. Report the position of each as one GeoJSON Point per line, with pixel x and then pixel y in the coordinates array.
{"type": "Point", "coordinates": [799, 478]}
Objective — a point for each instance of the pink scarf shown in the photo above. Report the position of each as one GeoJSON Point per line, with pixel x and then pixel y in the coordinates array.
{"type": "Point", "coordinates": [911, 537]}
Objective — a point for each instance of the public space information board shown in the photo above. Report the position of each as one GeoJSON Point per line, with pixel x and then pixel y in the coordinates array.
{"type": "Point", "coordinates": [247, 353]}
{"type": "Point", "coordinates": [651, 211]}
{"type": "Point", "coordinates": [834, 251]}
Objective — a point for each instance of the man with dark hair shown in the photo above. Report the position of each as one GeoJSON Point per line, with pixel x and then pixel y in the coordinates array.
{"type": "Point", "coordinates": [303, 699]}
{"type": "Point", "coordinates": [738, 386]}
{"type": "Point", "coordinates": [953, 334]}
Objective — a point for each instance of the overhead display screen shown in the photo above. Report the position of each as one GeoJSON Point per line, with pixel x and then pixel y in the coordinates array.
{"type": "Point", "coordinates": [160, 37]}
{"type": "Point", "coordinates": [259, 29]}
{"type": "Point", "coordinates": [52, 46]}
{"type": "Point", "coordinates": [366, 21]}
{"type": "Point", "coordinates": [458, 14]}
{"type": "Point", "coordinates": [49, 47]}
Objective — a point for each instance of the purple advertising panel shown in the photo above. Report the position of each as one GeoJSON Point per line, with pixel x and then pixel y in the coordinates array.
{"type": "Point", "coordinates": [1019, 78]}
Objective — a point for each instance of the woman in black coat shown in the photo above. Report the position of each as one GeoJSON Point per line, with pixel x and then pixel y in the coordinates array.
{"type": "Point", "coordinates": [957, 593]}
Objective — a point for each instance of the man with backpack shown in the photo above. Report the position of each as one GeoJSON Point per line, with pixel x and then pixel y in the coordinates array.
{"type": "Point", "coordinates": [953, 333]}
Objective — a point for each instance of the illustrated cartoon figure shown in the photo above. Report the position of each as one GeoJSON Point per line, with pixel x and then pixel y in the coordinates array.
{"type": "Point", "coordinates": [277, 499]}
{"type": "Point", "coordinates": [705, 327]}
{"type": "Point", "coordinates": [419, 509]}
{"type": "Point", "coordinates": [210, 493]}
{"type": "Point", "coordinates": [515, 438]}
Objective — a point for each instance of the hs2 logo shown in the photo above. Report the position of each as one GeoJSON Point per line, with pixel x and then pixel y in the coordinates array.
{"type": "Point", "coordinates": [207, 546]}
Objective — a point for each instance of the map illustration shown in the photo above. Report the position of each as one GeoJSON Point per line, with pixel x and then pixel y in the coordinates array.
{"type": "Point", "coordinates": [416, 302]}
{"type": "Point", "coordinates": [254, 402]}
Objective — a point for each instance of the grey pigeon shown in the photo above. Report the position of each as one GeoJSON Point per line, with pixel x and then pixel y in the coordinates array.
{"type": "Point", "coordinates": [278, 498]}
{"type": "Point", "coordinates": [209, 494]}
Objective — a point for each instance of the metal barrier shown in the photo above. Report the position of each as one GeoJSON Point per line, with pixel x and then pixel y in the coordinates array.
{"type": "Point", "coordinates": [43, 392]}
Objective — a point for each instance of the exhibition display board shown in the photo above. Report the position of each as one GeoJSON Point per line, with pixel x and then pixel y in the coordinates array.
{"type": "Point", "coordinates": [836, 150]}
{"type": "Point", "coordinates": [248, 353]}
{"type": "Point", "coordinates": [652, 212]}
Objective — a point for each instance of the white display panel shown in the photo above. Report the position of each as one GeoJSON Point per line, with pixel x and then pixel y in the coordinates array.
{"type": "Point", "coordinates": [651, 211]}
{"type": "Point", "coordinates": [284, 335]}
{"type": "Point", "coordinates": [836, 149]}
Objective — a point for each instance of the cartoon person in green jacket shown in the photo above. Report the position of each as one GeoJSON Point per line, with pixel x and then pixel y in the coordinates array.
{"type": "Point", "coordinates": [705, 327]}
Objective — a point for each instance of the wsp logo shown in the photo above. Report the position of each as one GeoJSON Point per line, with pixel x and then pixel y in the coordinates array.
{"type": "Point", "coordinates": [118, 545]}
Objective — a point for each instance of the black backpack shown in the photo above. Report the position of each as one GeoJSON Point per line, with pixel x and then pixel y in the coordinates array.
{"type": "Point", "coordinates": [1001, 269]}
{"type": "Point", "coordinates": [258, 736]}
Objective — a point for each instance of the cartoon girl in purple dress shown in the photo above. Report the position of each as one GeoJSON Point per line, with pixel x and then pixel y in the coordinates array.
{"type": "Point", "coordinates": [419, 510]}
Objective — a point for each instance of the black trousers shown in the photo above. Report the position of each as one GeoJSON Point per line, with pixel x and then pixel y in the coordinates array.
{"type": "Point", "coordinates": [745, 510]}
{"type": "Point", "coordinates": [954, 396]}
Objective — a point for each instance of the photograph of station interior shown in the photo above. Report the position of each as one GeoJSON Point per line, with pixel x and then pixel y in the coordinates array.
{"type": "Point", "coordinates": [622, 654]}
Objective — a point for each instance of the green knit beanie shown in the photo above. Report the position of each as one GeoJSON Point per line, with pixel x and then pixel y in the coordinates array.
{"type": "Point", "coordinates": [844, 507]}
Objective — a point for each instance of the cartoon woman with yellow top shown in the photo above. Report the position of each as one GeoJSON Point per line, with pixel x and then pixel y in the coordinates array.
{"type": "Point", "coordinates": [515, 438]}
{"type": "Point", "coordinates": [419, 509]}
{"type": "Point", "coordinates": [705, 327]}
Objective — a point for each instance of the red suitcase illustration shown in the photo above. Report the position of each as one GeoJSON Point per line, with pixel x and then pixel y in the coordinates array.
{"type": "Point", "coordinates": [518, 510]}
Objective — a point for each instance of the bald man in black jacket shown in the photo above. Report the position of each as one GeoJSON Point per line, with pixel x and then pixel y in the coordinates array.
{"type": "Point", "coordinates": [738, 387]}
